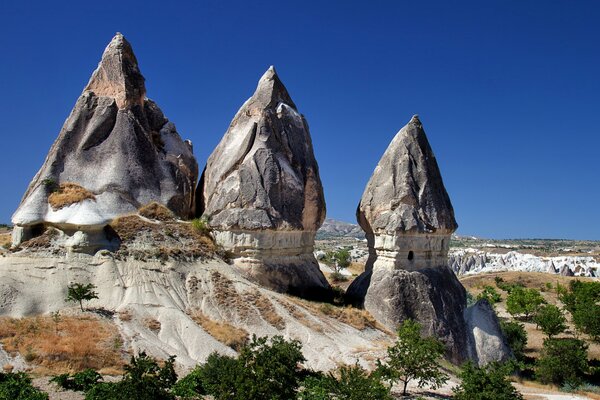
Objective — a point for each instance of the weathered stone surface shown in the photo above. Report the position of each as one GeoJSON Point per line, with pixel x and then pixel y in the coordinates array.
{"type": "Point", "coordinates": [486, 342]}
{"type": "Point", "coordinates": [118, 145]}
{"type": "Point", "coordinates": [262, 194]}
{"type": "Point", "coordinates": [408, 219]}
{"type": "Point", "coordinates": [566, 271]}
{"type": "Point", "coordinates": [432, 296]}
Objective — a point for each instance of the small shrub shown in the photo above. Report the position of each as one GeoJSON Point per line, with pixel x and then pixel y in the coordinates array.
{"type": "Point", "coordinates": [143, 379]}
{"type": "Point", "coordinates": [562, 361]}
{"type": "Point", "coordinates": [80, 381]}
{"type": "Point", "coordinates": [201, 225]}
{"type": "Point", "coordinates": [486, 383]}
{"type": "Point", "coordinates": [152, 324]}
{"type": "Point", "coordinates": [348, 383]}
{"type": "Point", "coordinates": [17, 386]}
{"type": "Point", "coordinates": [490, 294]}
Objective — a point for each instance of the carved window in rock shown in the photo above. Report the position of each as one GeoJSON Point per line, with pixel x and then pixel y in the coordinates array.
{"type": "Point", "coordinates": [411, 255]}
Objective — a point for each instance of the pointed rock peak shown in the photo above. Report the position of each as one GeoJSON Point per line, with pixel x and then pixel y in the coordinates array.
{"type": "Point", "coordinates": [271, 91]}
{"type": "Point", "coordinates": [118, 75]}
{"type": "Point", "coordinates": [415, 120]}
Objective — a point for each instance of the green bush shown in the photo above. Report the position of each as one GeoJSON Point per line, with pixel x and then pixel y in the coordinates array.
{"type": "Point", "coordinates": [516, 336]}
{"type": "Point", "coordinates": [143, 379]}
{"type": "Point", "coordinates": [80, 381]}
{"type": "Point", "coordinates": [562, 361]}
{"type": "Point", "coordinates": [201, 225]}
{"type": "Point", "coordinates": [17, 386]}
{"type": "Point", "coordinates": [551, 320]}
{"type": "Point", "coordinates": [490, 294]}
{"type": "Point", "coordinates": [262, 371]}
{"type": "Point", "coordinates": [581, 300]}
{"type": "Point", "coordinates": [190, 387]}
{"type": "Point", "coordinates": [349, 383]}
{"type": "Point", "coordinates": [486, 383]}
{"type": "Point", "coordinates": [413, 357]}
{"type": "Point", "coordinates": [523, 301]}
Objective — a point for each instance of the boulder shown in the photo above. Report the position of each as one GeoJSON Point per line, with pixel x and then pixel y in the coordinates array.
{"type": "Point", "coordinates": [115, 153]}
{"type": "Point", "coordinates": [408, 219]}
{"type": "Point", "coordinates": [486, 342]}
{"type": "Point", "coordinates": [262, 195]}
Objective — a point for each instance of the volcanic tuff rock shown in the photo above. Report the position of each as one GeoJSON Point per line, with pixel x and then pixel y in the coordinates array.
{"type": "Point", "coordinates": [485, 338]}
{"type": "Point", "coordinates": [262, 194]}
{"type": "Point", "coordinates": [408, 219]}
{"type": "Point", "coordinates": [118, 149]}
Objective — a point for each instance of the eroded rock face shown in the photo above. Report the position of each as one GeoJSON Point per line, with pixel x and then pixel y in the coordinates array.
{"type": "Point", "coordinates": [408, 219]}
{"type": "Point", "coordinates": [117, 145]}
{"type": "Point", "coordinates": [262, 194]}
{"type": "Point", "coordinates": [486, 342]}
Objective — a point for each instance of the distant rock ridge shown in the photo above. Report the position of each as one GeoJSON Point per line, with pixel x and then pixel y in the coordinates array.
{"type": "Point", "coordinates": [408, 219]}
{"type": "Point", "coordinates": [115, 153]}
{"type": "Point", "coordinates": [262, 195]}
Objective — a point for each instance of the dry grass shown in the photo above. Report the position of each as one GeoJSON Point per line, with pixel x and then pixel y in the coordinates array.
{"type": "Point", "coordinates": [246, 304]}
{"type": "Point", "coordinates": [175, 240]}
{"type": "Point", "coordinates": [537, 280]}
{"type": "Point", "coordinates": [223, 331]}
{"type": "Point", "coordinates": [67, 194]}
{"type": "Point", "coordinates": [355, 317]}
{"type": "Point", "coordinates": [227, 297]}
{"type": "Point", "coordinates": [125, 315]}
{"type": "Point", "coordinates": [67, 345]}
{"type": "Point", "coordinates": [157, 212]}
{"type": "Point", "coordinates": [300, 316]}
{"type": "Point", "coordinates": [152, 324]}
{"type": "Point", "coordinates": [265, 308]}
{"type": "Point", "coordinates": [5, 240]}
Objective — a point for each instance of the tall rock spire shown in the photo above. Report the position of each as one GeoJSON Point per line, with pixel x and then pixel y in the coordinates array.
{"type": "Point", "coordinates": [262, 193]}
{"type": "Point", "coordinates": [408, 219]}
{"type": "Point", "coordinates": [116, 150]}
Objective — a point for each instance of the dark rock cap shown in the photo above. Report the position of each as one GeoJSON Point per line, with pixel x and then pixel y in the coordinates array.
{"type": "Point", "coordinates": [406, 192]}
{"type": "Point", "coordinates": [263, 174]}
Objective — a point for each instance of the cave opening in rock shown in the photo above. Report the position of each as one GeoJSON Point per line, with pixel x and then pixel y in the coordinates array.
{"type": "Point", "coordinates": [411, 255]}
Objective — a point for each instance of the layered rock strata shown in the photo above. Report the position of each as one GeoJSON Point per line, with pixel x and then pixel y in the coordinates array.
{"type": "Point", "coordinates": [408, 220]}
{"type": "Point", "coordinates": [262, 195]}
{"type": "Point", "coordinates": [115, 153]}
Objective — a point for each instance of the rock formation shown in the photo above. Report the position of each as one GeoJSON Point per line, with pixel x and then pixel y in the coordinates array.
{"type": "Point", "coordinates": [262, 194]}
{"type": "Point", "coordinates": [485, 343]}
{"type": "Point", "coordinates": [115, 153]}
{"type": "Point", "coordinates": [408, 219]}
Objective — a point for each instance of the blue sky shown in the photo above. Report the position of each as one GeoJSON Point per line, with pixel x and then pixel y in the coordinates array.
{"type": "Point", "coordinates": [508, 91]}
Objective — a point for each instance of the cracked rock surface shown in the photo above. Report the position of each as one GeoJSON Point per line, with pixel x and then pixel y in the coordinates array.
{"type": "Point", "coordinates": [117, 145]}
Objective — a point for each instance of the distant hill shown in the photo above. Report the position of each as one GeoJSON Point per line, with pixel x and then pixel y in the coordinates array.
{"type": "Point", "coordinates": [333, 228]}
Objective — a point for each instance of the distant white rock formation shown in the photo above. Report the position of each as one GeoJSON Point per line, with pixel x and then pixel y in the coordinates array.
{"type": "Point", "coordinates": [467, 261]}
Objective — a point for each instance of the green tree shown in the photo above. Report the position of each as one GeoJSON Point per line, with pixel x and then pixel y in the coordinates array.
{"type": "Point", "coordinates": [17, 386]}
{"type": "Point", "coordinates": [490, 294]}
{"type": "Point", "coordinates": [581, 300]}
{"type": "Point", "coordinates": [551, 320]}
{"type": "Point", "coordinates": [339, 260]}
{"type": "Point", "coordinates": [414, 357]}
{"type": "Point", "coordinates": [516, 336]}
{"type": "Point", "coordinates": [348, 383]}
{"type": "Point", "coordinates": [486, 383]}
{"type": "Point", "coordinates": [562, 361]}
{"type": "Point", "coordinates": [78, 292]}
{"type": "Point", "coordinates": [523, 301]}
{"type": "Point", "coordinates": [263, 370]}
